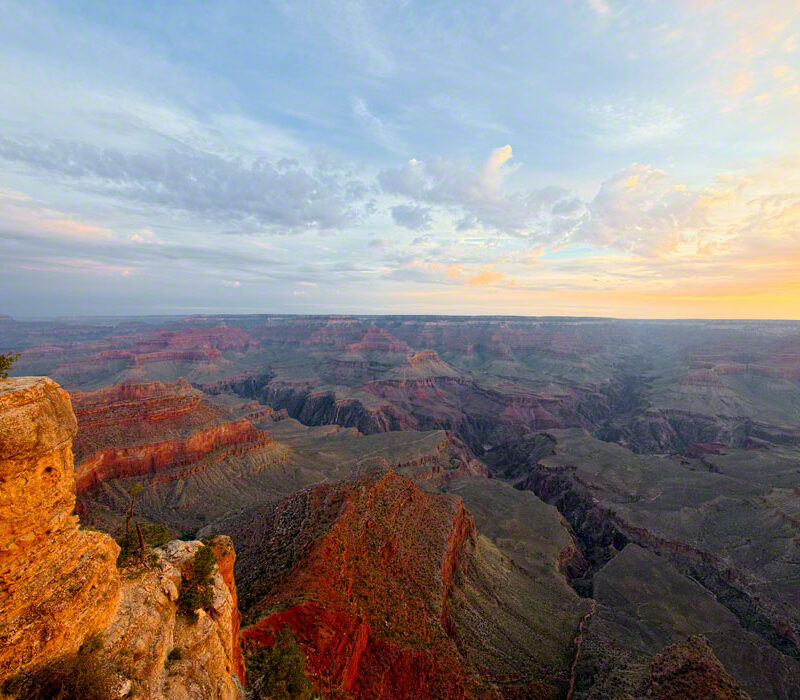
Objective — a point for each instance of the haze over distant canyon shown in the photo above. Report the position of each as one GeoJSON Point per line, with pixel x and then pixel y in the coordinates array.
{"type": "Point", "coordinates": [433, 506]}
{"type": "Point", "coordinates": [400, 350]}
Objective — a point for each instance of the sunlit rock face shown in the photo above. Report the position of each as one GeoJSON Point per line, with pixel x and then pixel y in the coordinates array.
{"type": "Point", "coordinates": [149, 625]}
{"type": "Point", "coordinates": [58, 584]}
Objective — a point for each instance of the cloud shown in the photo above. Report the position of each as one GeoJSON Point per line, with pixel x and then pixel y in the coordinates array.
{"type": "Point", "coordinates": [379, 243]}
{"type": "Point", "coordinates": [415, 218]}
{"type": "Point", "coordinates": [642, 209]}
{"type": "Point", "coordinates": [22, 213]}
{"type": "Point", "coordinates": [485, 277]}
{"type": "Point", "coordinates": [742, 83]}
{"type": "Point", "coordinates": [628, 122]}
{"type": "Point", "coordinates": [353, 26]}
{"type": "Point", "coordinates": [478, 198]}
{"type": "Point", "coordinates": [376, 127]}
{"type": "Point", "coordinates": [79, 265]}
{"type": "Point", "coordinates": [256, 193]}
{"type": "Point", "coordinates": [781, 72]}
{"type": "Point", "coordinates": [601, 7]}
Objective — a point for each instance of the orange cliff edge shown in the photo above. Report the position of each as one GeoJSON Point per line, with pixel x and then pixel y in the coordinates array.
{"type": "Point", "coordinates": [59, 584]}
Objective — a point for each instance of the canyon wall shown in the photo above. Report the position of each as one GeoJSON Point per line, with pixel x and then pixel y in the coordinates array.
{"type": "Point", "coordinates": [60, 585]}
{"type": "Point", "coordinates": [150, 429]}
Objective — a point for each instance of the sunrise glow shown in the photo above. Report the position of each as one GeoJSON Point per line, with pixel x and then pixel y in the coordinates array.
{"type": "Point", "coordinates": [613, 158]}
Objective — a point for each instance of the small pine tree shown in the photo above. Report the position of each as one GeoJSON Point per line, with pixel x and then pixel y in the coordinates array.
{"type": "Point", "coordinates": [155, 535]}
{"type": "Point", "coordinates": [197, 589]}
{"type": "Point", "coordinates": [279, 672]}
{"type": "Point", "coordinates": [6, 361]}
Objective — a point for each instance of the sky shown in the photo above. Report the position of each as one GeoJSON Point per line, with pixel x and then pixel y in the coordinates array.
{"type": "Point", "coordinates": [627, 158]}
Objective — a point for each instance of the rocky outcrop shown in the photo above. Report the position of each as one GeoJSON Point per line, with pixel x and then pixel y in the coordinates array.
{"type": "Point", "coordinates": [58, 584]}
{"type": "Point", "coordinates": [162, 653]}
{"type": "Point", "coordinates": [378, 339]}
{"type": "Point", "coordinates": [389, 590]}
{"type": "Point", "coordinates": [338, 333]}
{"type": "Point", "coordinates": [690, 671]}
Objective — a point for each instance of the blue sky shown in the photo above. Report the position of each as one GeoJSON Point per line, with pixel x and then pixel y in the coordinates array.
{"type": "Point", "coordinates": [586, 157]}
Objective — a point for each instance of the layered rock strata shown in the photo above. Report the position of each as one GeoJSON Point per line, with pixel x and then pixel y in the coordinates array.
{"type": "Point", "coordinates": [58, 584]}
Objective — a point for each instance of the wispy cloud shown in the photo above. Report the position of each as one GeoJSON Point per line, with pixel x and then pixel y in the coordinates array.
{"type": "Point", "coordinates": [601, 7]}
{"type": "Point", "coordinates": [377, 129]}
{"type": "Point", "coordinates": [258, 193]}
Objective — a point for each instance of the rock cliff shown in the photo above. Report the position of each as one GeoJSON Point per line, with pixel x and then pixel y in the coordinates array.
{"type": "Point", "coordinates": [60, 585]}
{"type": "Point", "coordinates": [160, 431]}
{"type": "Point", "coordinates": [389, 588]}
{"type": "Point", "coordinates": [163, 654]}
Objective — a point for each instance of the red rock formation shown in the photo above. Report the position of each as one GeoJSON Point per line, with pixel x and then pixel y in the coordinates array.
{"type": "Point", "coordinates": [200, 348]}
{"type": "Point", "coordinates": [372, 586]}
{"type": "Point", "coordinates": [121, 463]}
{"type": "Point", "coordinates": [165, 431]}
{"type": "Point", "coordinates": [377, 339]}
{"type": "Point", "coordinates": [423, 356]}
{"type": "Point", "coordinates": [338, 333]}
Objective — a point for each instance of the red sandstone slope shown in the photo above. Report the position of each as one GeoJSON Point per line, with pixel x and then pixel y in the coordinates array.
{"type": "Point", "coordinates": [381, 583]}
{"type": "Point", "coordinates": [372, 559]}
{"type": "Point", "coordinates": [155, 430]}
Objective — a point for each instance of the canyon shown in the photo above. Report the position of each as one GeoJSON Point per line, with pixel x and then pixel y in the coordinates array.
{"type": "Point", "coordinates": [476, 507]}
